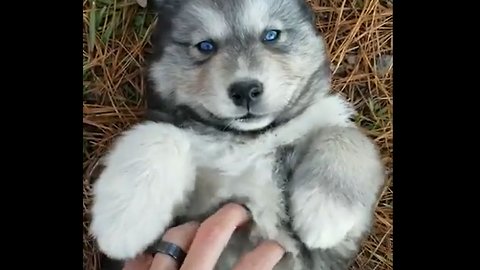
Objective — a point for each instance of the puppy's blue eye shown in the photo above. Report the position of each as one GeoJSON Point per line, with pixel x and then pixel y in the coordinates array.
{"type": "Point", "coordinates": [271, 35]}
{"type": "Point", "coordinates": [206, 46]}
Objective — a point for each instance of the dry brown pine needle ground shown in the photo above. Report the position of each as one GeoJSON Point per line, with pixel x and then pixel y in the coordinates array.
{"type": "Point", "coordinates": [359, 36]}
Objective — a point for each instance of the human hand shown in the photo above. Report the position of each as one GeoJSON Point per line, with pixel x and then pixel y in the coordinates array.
{"type": "Point", "coordinates": [204, 243]}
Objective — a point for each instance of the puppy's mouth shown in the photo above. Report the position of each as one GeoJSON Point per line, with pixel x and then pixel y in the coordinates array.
{"type": "Point", "coordinates": [246, 122]}
{"type": "Point", "coordinates": [249, 116]}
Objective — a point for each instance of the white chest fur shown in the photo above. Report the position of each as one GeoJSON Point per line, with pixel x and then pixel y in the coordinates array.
{"type": "Point", "coordinates": [242, 173]}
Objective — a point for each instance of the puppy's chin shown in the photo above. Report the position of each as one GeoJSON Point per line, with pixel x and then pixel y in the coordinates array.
{"type": "Point", "coordinates": [251, 124]}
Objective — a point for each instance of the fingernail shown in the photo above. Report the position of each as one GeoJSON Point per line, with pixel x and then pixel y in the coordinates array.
{"type": "Point", "coordinates": [248, 209]}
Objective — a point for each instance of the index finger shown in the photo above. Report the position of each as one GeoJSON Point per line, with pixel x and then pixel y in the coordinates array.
{"type": "Point", "coordinates": [212, 237]}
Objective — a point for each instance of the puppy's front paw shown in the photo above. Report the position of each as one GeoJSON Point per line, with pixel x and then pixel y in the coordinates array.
{"type": "Point", "coordinates": [131, 209]}
{"type": "Point", "coordinates": [124, 234]}
{"type": "Point", "coordinates": [323, 223]}
{"type": "Point", "coordinates": [147, 175]}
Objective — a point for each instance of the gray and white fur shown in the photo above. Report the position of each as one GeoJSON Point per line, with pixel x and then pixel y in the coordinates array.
{"type": "Point", "coordinates": [290, 152]}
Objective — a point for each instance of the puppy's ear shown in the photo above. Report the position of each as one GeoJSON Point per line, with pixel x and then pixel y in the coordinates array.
{"type": "Point", "coordinates": [161, 35]}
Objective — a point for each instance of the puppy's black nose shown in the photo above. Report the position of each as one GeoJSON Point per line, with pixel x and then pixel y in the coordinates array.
{"type": "Point", "coordinates": [244, 93]}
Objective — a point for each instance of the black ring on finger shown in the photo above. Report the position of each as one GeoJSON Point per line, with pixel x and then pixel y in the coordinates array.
{"type": "Point", "coordinates": [169, 249]}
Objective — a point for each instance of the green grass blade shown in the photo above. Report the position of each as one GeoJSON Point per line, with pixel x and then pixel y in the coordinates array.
{"type": "Point", "coordinates": [92, 29]}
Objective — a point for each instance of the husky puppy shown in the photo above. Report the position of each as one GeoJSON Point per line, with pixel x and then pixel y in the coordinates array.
{"type": "Point", "coordinates": [241, 110]}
